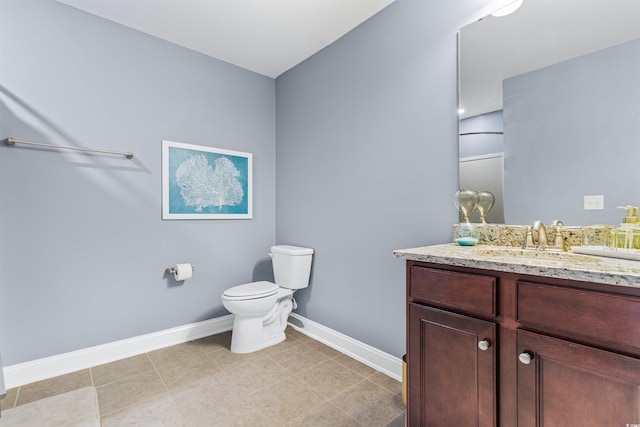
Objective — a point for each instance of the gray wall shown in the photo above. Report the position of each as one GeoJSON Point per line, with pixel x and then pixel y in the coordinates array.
{"type": "Point", "coordinates": [573, 129]}
{"type": "Point", "coordinates": [83, 245]}
{"type": "Point", "coordinates": [366, 163]}
{"type": "Point", "coordinates": [367, 158]}
{"type": "Point", "coordinates": [481, 144]}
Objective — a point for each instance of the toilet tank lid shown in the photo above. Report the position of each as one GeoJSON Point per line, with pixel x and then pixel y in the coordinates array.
{"type": "Point", "coordinates": [253, 289]}
{"type": "Point", "coordinates": [291, 250]}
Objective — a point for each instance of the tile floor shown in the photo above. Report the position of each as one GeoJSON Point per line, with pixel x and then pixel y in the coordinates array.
{"type": "Point", "coordinates": [299, 382]}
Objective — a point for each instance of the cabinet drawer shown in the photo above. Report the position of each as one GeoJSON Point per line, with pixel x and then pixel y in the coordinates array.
{"type": "Point", "coordinates": [593, 316]}
{"type": "Point", "coordinates": [469, 292]}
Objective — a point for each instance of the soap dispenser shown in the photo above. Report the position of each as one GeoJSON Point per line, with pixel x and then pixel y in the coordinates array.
{"type": "Point", "coordinates": [627, 236]}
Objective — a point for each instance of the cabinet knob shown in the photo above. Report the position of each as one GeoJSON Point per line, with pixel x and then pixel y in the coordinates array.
{"type": "Point", "coordinates": [484, 345]}
{"type": "Point", "coordinates": [525, 357]}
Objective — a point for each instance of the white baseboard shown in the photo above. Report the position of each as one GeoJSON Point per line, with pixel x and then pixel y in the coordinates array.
{"type": "Point", "coordinates": [370, 356]}
{"type": "Point", "coordinates": [49, 367]}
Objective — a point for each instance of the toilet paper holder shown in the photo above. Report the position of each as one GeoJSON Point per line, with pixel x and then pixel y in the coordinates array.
{"type": "Point", "coordinates": [172, 270]}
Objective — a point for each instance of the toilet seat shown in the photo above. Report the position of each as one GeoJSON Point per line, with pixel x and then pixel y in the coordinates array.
{"type": "Point", "coordinates": [252, 290]}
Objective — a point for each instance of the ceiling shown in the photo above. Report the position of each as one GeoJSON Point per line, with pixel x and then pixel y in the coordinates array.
{"type": "Point", "coordinates": [265, 36]}
{"type": "Point", "coordinates": [540, 33]}
{"type": "Point", "coordinates": [271, 36]}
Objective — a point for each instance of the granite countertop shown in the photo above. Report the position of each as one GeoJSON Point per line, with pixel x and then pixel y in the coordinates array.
{"type": "Point", "coordinates": [562, 265]}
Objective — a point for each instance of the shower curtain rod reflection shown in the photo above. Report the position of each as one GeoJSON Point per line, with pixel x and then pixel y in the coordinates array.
{"type": "Point", "coordinates": [12, 142]}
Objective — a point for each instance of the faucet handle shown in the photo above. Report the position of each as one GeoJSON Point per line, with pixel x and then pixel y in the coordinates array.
{"type": "Point", "coordinates": [559, 240]}
{"type": "Point", "coordinates": [528, 242]}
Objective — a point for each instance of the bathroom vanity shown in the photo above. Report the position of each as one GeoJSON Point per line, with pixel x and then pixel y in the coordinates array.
{"type": "Point", "coordinates": [507, 337]}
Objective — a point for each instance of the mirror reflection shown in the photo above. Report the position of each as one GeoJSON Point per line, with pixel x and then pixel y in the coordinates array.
{"type": "Point", "coordinates": [551, 100]}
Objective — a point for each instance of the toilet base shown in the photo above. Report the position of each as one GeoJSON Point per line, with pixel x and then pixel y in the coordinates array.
{"type": "Point", "coordinates": [255, 333]}
{"type": "Point", "coordinates": [248, 336]}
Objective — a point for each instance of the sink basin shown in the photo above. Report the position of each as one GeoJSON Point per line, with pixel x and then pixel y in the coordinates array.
{"type": "Point", "coordinates": [508, 252]}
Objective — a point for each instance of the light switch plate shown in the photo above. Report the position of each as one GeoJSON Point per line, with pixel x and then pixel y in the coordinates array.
{"type": "Point", "coordinates": [593, 203]}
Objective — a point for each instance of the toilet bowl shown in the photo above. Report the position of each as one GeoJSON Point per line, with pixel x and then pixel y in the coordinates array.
{"type": "Point", "coordinates": [261, 309]}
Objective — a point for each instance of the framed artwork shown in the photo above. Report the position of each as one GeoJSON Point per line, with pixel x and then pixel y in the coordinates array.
{"type": "Point", "coordinates": [200, 182]}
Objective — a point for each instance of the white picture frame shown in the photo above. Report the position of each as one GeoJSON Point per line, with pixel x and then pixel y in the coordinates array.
{"type": "Point", "coordinates": [201, 182]}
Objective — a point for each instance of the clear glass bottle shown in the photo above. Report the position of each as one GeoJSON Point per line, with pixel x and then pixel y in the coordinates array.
{"type": "Point", "coordinates": [627, 236]}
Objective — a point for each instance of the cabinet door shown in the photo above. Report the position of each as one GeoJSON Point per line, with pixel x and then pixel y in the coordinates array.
{"type": "Point", "coordinates": [451, 364]}
{"type": "Point", "coordinates": [561, 384]}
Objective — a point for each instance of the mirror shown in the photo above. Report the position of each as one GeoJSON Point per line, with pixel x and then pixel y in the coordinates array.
{"type": "Point", "coordinates": [551, 99]}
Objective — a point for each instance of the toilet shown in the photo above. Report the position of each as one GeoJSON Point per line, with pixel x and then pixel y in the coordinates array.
{"type": "Point", "coordinates": [261, 309]}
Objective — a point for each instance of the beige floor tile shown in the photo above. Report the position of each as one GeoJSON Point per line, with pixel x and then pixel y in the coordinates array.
{"type": "Point", "coordinates": [329, 378]}
{"type": "Point", "coordinates": [296, 335]}
{"type": "Point", "coordinates": [323, 348]}
{"type": "Point", "coordinates": [177, 355]}
{"type": "Point", "coordinates": [219, 387]}
{"type": "Point", "coordinates": [179, 376]}
{"type": "Point", "coordinates": [284, 347]}
{"type": "Point", "coordinates": [219, 402]}
{"type": "Point", "coordinates": [120, 369]}
{"type": "Point", "coordinates": [9, 400]}
{"type": "Point", "coordinates": [53, 386]}
{"type": "Point", "coordinates": [325, 415]}
{"type": "Point", "coordinates": [180, 365]}
{"type": "Point", "coordinates": [162, 412]}
{"type": "Point", "coordinates": [299, 357]}
{"type": "Point", "coordinates": [369, 404]}
{"type": "Point", "coordinates": [129, 392]}
{"type": "Point", "coordinates": [356, 366]}
{"type": "Point", "coordinates": [283, 401]}
{"type": "Point", "coordinates": [201, 383]}
{"type": "Point", "coordinates": [385, 381]}
{"type": "Point", "coordinates": [216, 342]}
{"type": "Point", "coordinates": [399, 421]}
{"type": "Point", "coordinates": [258, 374]}
{"type": "Point", "coordinates": [241, 416]}
{"type": "Point", "coordinates": [226, 360]}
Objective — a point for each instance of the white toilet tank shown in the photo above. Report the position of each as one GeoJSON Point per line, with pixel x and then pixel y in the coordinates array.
{"type": "Point", "coordinates": [291, 266]}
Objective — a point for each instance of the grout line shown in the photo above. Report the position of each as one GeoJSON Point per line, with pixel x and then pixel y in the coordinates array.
{"type": "Point", "coordinates": [93, 384]}
{"type": "Point", "coordinates": [155, 368]}
{"type": "Point", "coordinates": [171, 396]}
{"type": "Point", "coordinates": [15, 401]}
{"type": "Point", "coordinates": [132, 405]}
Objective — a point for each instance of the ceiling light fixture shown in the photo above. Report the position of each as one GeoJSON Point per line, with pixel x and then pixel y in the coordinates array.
{"type": "Point", "coordinates": [510, 8]}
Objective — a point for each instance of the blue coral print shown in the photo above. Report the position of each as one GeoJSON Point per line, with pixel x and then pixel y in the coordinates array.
{"type": "Point", "coordinates": [202, 182]}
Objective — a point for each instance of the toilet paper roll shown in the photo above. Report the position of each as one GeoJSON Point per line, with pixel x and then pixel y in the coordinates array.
{"type": "Point", "coordinates": [183, 271]}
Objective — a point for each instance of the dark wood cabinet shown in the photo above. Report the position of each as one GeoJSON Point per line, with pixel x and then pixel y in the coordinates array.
{"type": "Point", "coordinates": [452, 364]}
{"type": "Point", "coordinates": [488, 348]}
{"type": "Point", "coordinates": [561, 383]}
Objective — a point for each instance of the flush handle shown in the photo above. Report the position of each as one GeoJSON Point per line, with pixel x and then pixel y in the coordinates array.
{"type": "Point", "coordinates": [525, 357]}
{"type": "Point", "coordinates": [484, 345]}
